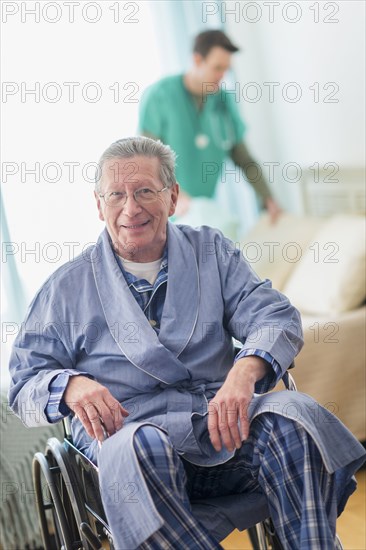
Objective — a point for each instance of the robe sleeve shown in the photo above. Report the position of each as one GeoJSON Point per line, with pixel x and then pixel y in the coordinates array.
{"type": "Point", "coordinates": [40, 353]}
{"type": "Point", "coordinates": [257, 315]}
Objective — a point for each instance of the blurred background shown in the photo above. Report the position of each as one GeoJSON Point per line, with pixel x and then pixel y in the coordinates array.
{"type": "Point", "coordinates": [73, 74]}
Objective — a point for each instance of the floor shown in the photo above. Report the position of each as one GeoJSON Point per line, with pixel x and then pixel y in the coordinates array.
{"type": "Point", "coordinates": [351, 526]}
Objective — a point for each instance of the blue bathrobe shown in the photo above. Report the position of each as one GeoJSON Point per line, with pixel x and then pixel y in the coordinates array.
{"type": "Point", "coordinates": [85, 320]}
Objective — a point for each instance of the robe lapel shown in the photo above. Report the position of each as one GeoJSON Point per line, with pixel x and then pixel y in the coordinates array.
{"type": "Point", "coordinates": [180, 311]}
{"type": "Point", "coordinates": [127, 323]}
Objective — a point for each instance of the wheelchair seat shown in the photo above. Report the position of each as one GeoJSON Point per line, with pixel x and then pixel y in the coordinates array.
{"type": "Point", "coordinates": [71, 512]}
{"type": "Point", "coordinates": [221, 515]}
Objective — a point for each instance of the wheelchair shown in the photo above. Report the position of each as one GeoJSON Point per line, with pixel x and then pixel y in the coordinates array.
{"type": "Point", "coordinates": [71, 514]}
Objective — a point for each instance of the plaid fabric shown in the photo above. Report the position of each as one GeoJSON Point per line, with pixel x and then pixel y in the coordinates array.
{"type": "Point", "coordinates": [301, 493]}
{"type": "Point", "coordinates": [279, 458]}
{"type": "Point", "coordinates": [149, 297]}
{"type": "Point", "coordinates": [56, 409]}
{"type": "Point", "coordinates": [165, 477]}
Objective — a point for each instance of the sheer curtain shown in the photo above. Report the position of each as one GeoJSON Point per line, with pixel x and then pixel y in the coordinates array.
{"type": "Point", "coordinates": [72, 89]}
{"type": "Point", "coordinates": [177, 23]}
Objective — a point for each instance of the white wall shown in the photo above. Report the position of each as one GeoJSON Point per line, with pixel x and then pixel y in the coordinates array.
{"type": "Point", "coordinates": [304, 52]}
{"type": "Point", "coordinates": [55, 206]}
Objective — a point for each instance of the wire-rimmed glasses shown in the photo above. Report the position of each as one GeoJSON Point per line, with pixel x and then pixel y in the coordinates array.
{"type": "Point", "coordinates": [144, 195]}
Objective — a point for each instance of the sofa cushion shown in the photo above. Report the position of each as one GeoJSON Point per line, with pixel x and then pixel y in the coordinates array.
{"type": "Point", "coordinates": [330, 277]}
{"type": "Point", "coordinates": [273, 250]}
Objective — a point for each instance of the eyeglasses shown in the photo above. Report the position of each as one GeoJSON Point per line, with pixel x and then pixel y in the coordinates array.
{"type": "Point", "coordinates": [142, 196]}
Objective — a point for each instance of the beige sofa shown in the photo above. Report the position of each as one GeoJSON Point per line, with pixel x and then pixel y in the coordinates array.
{"type": "Point", "coordinates": [319, 263]}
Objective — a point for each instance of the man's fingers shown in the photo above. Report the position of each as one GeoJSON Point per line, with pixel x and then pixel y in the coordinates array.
{"type": "Point", "coordinates": [112, 414]}
{"type": "Point", "coordinates": [223, 424]}
{"type": "Point", "coordinates": [100, 413]}
{"type": "Point", "coordinates": [221, 427]}
{"type": "Point", "coordinates": [84, 419]}
{"type": "Point", "coordinates": [212, 425]}
{"type": "Point", "coordinates": [95, 421]}
{"type": "Point", "coordinates": [244, 423]}
{"type": "Point", "coordinates": [224, 429]}
{"type": "Point", "coordinates": [233, 427]}
{"type": "Point", "coordinates": [98, 420]}
{"type": "Point", "coordinates": [109, 418]}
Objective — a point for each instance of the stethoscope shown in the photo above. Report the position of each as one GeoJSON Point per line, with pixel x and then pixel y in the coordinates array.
{"type": "Point", "coordinates": [217, 121]}
{"type": "Point", "coordinates": [221, 121]}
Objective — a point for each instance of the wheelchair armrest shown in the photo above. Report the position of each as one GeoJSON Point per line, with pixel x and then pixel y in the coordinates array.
{"type": "Point", "coordinates": [288, 380]}
{"type": "Point", "coordinates": [66, 422]}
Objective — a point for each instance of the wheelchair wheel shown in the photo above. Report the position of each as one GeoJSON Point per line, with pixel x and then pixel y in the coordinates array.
{"type": "Point", "coordinates": [263, 537]}
{"type": "Point", "coordinates": [61, 509]}
{"type": "Point", "coordinates": [57, 527]}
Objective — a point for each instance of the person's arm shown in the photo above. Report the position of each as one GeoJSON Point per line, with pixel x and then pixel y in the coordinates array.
{"type": "Point", "coordinates": [45, 381]}
{"type": "Point", "coordinates": [254, 174]}
{"type": "Point", "coordinates": [231, 403]}
{"type": "Point", "coordinates": [56, 409]}
{"type": "Point", "coordinates": [269, 328]}
{"type": "Point", "coordinates": [253, 370]}
{"type": "Point", "coordinates": [42, 391]}
{"type": "Point", "coordinates": [273, 374]}
{"type": "Point", "coordinates": [95, 406]}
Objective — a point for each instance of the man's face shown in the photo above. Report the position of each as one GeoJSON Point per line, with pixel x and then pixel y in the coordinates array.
{"type": "Point", "coordinates": [138, 232]}
{"type": "Point", "coordinates": [211, 69]}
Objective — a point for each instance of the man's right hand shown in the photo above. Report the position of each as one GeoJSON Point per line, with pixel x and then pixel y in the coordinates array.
{"type": "Point", "coordinates": [95, 406]}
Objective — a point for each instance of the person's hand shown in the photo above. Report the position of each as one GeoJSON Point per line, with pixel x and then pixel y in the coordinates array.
{"type": "Point", "coordinates": [95, 406]}
{"type": "Point", "coordinates": [273, 209]}
{"type": "Point", "coordinates": [183, 204]}
{"type": "Point", "coordinates": [231, 402]}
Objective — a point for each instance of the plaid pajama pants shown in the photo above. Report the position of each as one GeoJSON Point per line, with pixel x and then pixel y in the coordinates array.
{"type": "Point", "coordinates": [279, 458]}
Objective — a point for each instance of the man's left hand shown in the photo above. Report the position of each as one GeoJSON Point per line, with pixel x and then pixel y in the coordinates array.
{"type": "Point", "coordinates": [231, 402]}
{"type": "Point", "coordinates": [273, 209]}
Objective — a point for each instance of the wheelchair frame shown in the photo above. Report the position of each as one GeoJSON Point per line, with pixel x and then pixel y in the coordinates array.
{"type": "Point", "coordinates": [69, 504]}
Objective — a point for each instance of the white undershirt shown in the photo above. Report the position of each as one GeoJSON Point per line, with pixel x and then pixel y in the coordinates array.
{"type": "Point", "coordinates": [147, 270]}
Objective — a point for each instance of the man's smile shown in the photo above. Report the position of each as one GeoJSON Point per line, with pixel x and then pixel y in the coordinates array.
{"type": "Point", "coordinates": [135, 225]}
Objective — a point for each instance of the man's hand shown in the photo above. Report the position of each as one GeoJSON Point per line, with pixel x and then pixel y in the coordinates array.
{"type": "Point", "coordinates": [95, 406]}
{"type": "Point", "coordinates": [231, 402]}
{"type": "Point", "coordinates": [274, 211]}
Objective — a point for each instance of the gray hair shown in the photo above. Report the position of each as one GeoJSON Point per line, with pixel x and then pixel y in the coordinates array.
{"type": "Point", "coordinates": [143, 147]}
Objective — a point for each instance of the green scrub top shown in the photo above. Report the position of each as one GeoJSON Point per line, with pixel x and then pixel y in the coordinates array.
{"type": "Point", "coordinates": [202, 138]}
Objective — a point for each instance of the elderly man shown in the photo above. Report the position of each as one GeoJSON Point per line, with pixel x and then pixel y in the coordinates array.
{"type": "Point", "coordinates": [200, 120]}
{"type": "Point", "coordinates": [135, 341]}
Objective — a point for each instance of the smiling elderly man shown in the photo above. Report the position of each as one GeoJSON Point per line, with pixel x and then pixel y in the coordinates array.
{"type": "Point", "coordinates": [160, 375]}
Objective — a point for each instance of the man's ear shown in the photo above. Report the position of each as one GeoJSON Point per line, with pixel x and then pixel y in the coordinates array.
{"type": "Point", "coordinates": [173, 198]}
{"type": "Point", "coordinates": [99, 206]}
{"type": "Point", "coordinates": [197, 59]}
